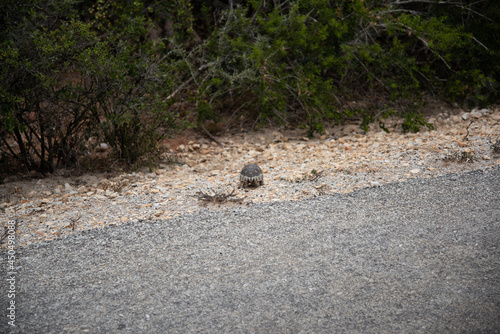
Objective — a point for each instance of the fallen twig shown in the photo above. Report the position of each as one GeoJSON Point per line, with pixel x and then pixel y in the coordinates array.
{"type": "Point", "coordinates": [217, 196]}
{"type": "Point", "coordinates": [210, 135]}
{"type": "Point", "coordinates": [316, 175]}
{"type": "Point", "coordinates": [467, 135]}
{"type": "Point", "coordinates": [73, 224]}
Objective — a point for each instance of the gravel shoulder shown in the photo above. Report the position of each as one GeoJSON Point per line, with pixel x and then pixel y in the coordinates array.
{"type": "Point", "coordinates": [420, 256]}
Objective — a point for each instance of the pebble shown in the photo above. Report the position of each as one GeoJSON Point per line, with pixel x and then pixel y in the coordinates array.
{"type": "Point", "coordinates": [68, 188]}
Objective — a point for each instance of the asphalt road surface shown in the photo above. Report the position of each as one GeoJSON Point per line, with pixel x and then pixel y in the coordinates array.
{"type": "Point", "coordinates": [421, 256]}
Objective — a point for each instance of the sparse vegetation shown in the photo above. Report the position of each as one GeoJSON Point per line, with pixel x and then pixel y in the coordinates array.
{"type": "Point", "coordinates": [462, 156]}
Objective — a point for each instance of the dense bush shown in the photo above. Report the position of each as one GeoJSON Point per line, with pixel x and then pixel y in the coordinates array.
{"type": "Point", "coordinates": [301, 60]}
{"type": "Point", "coordinates": [65, 80]}
{"type": "Point", "coordinates": [120, 70]}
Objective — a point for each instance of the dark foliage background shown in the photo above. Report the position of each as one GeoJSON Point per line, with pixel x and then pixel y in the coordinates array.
{"type": "Point", "coordinates": [76, 73]}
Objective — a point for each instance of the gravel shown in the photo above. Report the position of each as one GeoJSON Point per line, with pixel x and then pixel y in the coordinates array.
{"type": "Point", "coordinates": [420, 256]}
{"type": "Point", "coordinates": [342, 160]}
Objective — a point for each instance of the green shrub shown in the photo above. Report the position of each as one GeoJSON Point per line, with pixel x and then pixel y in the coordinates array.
{"type": "Point", "coordinates": [298, 61]}
{"type": "Point", "coordinates": [127, 72]}
{"type": "Point", "coordinates": [64, 82]}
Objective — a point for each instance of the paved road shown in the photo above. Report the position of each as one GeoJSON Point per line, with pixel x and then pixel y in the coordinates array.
{"type": "Point", "coordinates": [421, 256]}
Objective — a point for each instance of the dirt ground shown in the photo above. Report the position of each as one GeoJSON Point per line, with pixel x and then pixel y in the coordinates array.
{"type": "Point", "coordinates": [194, 168]}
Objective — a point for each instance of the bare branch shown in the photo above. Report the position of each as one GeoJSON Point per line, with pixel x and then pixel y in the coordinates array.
{"type": "Point", "coordinates": [478, 42]}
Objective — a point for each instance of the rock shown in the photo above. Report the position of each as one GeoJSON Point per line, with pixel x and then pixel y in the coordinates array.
{"type": "Point", "coordinates": [466, 116]}
{"type": "Point", "coordinates": [68, 189]}
{"type": "Point", "coordinates": [461, 143]}
{"type": "Point", "coordinates": [486, 157]}
{"type": "Point", "coordinates": [181, 148]}
{"type": "Point", "coordinates": [278, 136]}
{"type": "Point", "coordinates": [253, 153]}
{"type": "Point", "coordinates": [110, 194]}
{"type": "Point", "coordinates": [415, 171]}
{"type": "Point", "coordinates": [350, 129]}
{"type": "Point", "coordinates": [475, 114]}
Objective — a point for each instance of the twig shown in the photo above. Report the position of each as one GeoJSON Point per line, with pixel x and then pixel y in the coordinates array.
{"type": "Point", "coordinates": [210, 135]}
{"type": "Point", "coordinates": [182, 86]}
{"type": "Point", "coordinates": [434, 52]}
{"type": "Point", "coordinates": [367, 70]}
{"type": "Point", "coordinates": [316, 176]}
{"type": "Point", "coordinates": [73, 224]}
{"type": "Point", "coordinates": [467, 135]}
{"type": "Point", "coordinates": [478, 42]}
{"type": "Point", "coordinates": [216, 196]}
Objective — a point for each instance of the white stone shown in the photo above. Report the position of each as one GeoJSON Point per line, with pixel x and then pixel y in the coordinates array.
{"type": "Point", "coordinates": [475, 114]}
